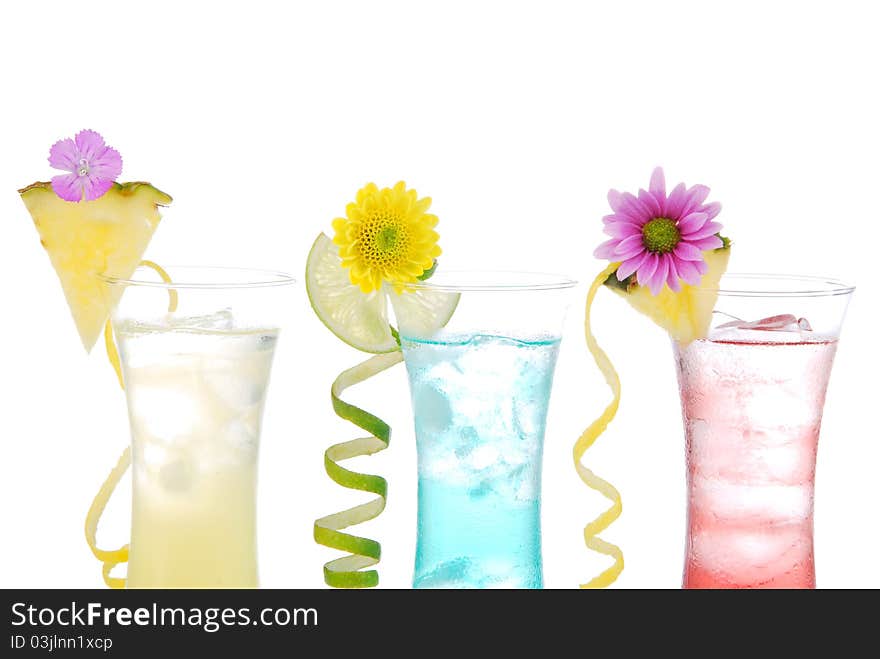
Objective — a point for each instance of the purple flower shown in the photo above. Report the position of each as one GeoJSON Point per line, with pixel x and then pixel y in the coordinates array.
{"type": "Point", "coordinates": [93, 166]}
{"type": "Point", "coordinates": [661, 238]}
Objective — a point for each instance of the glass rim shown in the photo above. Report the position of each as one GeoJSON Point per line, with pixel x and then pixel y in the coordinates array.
{"type": "Point", "coordinates": [230, 278]}
{"type": "Point", "coordinates": [464, 280]}
{"type": "Point", "coordinates": [781, 285]}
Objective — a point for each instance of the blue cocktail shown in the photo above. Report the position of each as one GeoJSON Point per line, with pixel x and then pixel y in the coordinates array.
{"type": "Point", "coordinates": [480, 403]}
{"type": "Point", "coordinates": [480, 392]}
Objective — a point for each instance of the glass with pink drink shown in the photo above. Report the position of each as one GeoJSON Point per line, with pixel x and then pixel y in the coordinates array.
{"type": "Point", "coordinates": [752, 395]}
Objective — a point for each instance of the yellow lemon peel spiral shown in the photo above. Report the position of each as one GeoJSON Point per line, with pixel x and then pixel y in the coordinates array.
{"type": "Point", "coordinates": [113, 557]}
{"type": "Point", "coordinates": [586, 440]}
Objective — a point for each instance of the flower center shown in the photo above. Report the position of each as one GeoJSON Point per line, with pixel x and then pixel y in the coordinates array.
{"type": "Point", "coordinates": [660, 235]}
{"type": "Point", "coordinates": [384, 239]}
{"type": "Point", "coordinates": [83, 168]}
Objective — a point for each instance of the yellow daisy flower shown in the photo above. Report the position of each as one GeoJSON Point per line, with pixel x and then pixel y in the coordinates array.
{"type": "Point", "coordinates": [386, 235]}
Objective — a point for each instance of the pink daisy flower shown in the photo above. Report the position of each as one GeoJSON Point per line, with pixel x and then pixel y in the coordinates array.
{"type": "Point", "coordinates": [659, 237]}
{"type": "Point", "coordinates": [93, 166]}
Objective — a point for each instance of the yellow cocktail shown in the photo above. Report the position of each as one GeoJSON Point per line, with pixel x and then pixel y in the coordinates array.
{"type": "Point", "coordinates": [195, 388]}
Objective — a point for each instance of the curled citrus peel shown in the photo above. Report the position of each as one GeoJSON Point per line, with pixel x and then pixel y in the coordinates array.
{"type": "Point", "coordinates": [361, 321]}
{"type": "Point", "coordinates": [113, 557]}
{"type": "Point", "coordinates": [349, 571]}
{"type": "Point", "coordinates": [587, 439]}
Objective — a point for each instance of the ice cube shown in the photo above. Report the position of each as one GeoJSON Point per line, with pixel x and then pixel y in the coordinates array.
{"type": "Point", "coordinates": [468, 440]}
{"type": "Point", "coordinates": [151, 453]}
{"type": "Point", "coordinates": [232, 383]}
{"type": "Point", "coordinates": [242, 435]}
{"type": "Point", "coordinates": [752, 556]}
{"type": "Point", "coordinates": [526, 486]}
{"type": "Point", "coordinates": [527, 418]}
{"type": "Point", "coordinates": [789, 456]}
{"type": "Point", "coordinates": [483, 456]}
{"type": "Point", "coordinates": [783, 328]}
{"type": "Point", "coordinates": [740, 500]}
{"type": "Point", "coordinates": [481, 489]}
{"type": "Point", "coordinates": [433, 411]}
{"type": "Point", "coordinates": [177, 475]}
{"type": "Point", "coordinates": [773, 404]}
{"type": "Point", "coordinates": [780, 323]}
{"type": "Point", "coordinates": [164, 411]}
{"type": "Point", "coordinates": [218, 320]}
{"type": "Point", "coordinates": [441, 464]}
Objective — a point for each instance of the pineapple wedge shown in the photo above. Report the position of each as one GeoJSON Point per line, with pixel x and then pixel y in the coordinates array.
{"type": "Point", "coordinates": [686, 315]}
{"type": "Point", "coordinates": [107, 236]}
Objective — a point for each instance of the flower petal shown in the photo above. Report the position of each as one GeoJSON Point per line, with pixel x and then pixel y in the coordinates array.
{"type": "Point", "coordinates": [635, 209]}
{"type": "Point", "coordinates": [712, 242]}
{"type": "Point", "coordinates": [708, 229]}
{"type": "Point", "coordinates": [606, 250]}
{"type": "Point", "coordinates": [672, 278]}
{"type": "Point", "coordinates": [702, 267]}
{"type": "Point", "coordinates": [688, 272]}
{"type": "Point", "coordinates": [68, 186]}
{"type": "Point", "coordinates": [659, 277]}
{"type": "Point", "coordinates": [107, 164]}
{"type": "Point", "coordinates": [711, 209]}
{"type": "Point", "coordinates": [63, 155]}
{"type": "Point", "coordinates": [90, 144]}
{"type": "Point", "coordinates": [631, 265]}
{"type": "Point", "coordinates": [694, 197]}
{"type": "Point", "coordinates": [675, 202]}
{"type": "Point", "coordinates": [647, 269]}
{"type": "Point", "coordinates": [614, 200]}
{"type": "Point", "coordinates": [376, 280]}
{"type": "Point", "coordinates": [622, 229]}
{"type": "Point", "coordinates": [95, 186]}
{"type": "Point", "coordinates": [684, 251]}
{"type": "Point", "coordinates": [651, 202]}
{"type": "Point", "coordinates": [629, 247]}
{"type": "Point", "coordinates": [692, 222]}
{"type": "Point", "coordinates": [657, 186]}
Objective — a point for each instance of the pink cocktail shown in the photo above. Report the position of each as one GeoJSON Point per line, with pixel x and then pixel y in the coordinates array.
{"type": "Point", "coordinates": [752, 397]}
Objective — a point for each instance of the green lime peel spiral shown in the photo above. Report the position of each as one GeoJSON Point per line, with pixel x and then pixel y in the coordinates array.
{"type": "Point", "coordinates": [350, 571]}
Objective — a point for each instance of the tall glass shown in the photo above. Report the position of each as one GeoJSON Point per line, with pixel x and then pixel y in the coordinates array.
{"type": "Point", "coordinates": [480, 389]}
{"type": "Point", "coordinates": [752, 395]}
{"type": "Point", "coordinates": [195, 381]}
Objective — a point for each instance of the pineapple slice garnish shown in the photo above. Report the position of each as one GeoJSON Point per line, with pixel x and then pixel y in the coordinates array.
{"type": "Point", "coordinates": [90, 239]}
{"type": "Point", "coordinates": [686, 315]}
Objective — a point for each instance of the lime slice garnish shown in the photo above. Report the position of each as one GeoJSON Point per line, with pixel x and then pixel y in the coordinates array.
{"type": "Point", "coordinates": [361, 319]}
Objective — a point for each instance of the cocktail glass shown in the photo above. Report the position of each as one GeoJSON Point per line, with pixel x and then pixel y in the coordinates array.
{"type": "Point", "coordinates": [196, 381]}
{"type": "Point", "coordinates": [752, 395]}
{"type": "Point", "coordinates": [480, 390]}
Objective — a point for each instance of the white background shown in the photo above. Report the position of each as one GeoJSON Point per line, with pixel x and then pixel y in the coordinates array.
{"type": "Point", "coordinates": [263, 119]}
